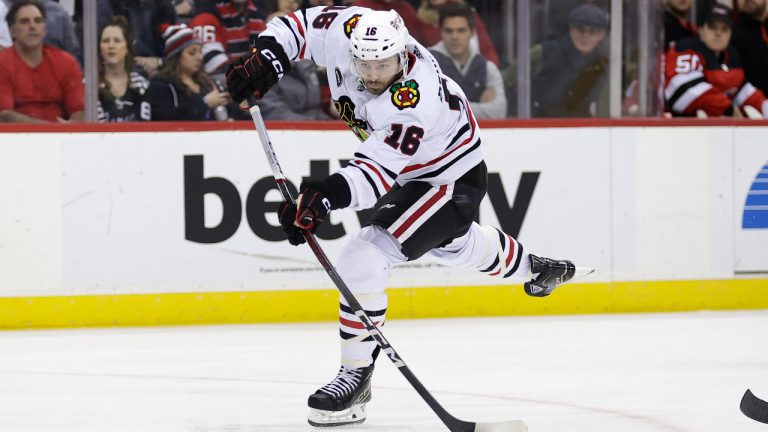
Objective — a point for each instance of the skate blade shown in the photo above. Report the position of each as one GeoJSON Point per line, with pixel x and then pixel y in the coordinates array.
{"type": "Point", "coordinates": [353, 415]}
{"type": "Point", "coordinates": [581, 272]}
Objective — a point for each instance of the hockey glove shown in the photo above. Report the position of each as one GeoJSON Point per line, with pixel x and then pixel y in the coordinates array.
{"type": "Point", "coordinates": [312, 206]}
{"type": "Point", "coordinates": [287, 215]}
{"type": "Point", "coordinates": [255, 74]}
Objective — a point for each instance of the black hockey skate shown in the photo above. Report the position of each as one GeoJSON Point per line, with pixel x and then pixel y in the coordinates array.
{"type": "Point", "coordinates": [551, 274]}
{"type": "Point", "coordinates": [342, 401]}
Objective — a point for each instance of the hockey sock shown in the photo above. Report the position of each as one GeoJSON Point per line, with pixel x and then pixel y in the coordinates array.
{"type": "Point", "coordinates": [364, 264]}
{"type": "Point", "coordinates": [488, 250]}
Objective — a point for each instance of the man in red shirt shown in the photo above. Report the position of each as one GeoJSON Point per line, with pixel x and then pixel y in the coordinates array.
{"type": "Point", "coordinates": [38, 83]}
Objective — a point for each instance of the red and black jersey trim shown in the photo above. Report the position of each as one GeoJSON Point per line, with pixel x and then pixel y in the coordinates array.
{"type": "Point", "coordinates": [442, 169]}
{"type": "Point", "coordinates": [369, 179]}
{"type": "Point", "coordinates": [287, 23]}
{"type": "Point", "coordinates": [683, 89]}
{"type": "Point", "coordinates": [464, 129]}
{"type": "Point", "coordinates": [392, 175]}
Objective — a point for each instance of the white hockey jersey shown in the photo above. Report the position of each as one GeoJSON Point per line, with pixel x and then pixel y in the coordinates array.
{"type": "Point", "coordinates": [421, 128]}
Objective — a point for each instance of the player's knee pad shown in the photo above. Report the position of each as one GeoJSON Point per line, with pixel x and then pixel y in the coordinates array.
{"type": "Point", "coordinates": [365, 260]}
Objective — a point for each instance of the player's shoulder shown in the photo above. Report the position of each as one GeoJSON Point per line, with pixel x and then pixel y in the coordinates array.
{"type": "Point", "coordinates": [342, 19]}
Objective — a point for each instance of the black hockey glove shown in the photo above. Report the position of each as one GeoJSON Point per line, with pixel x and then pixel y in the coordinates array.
{"type": "Point", "coordinates": [256, 73]}
{"type": "Point", "coordinates": [312, 206]}
{"type": "Point", "coordinates": [287, 215]}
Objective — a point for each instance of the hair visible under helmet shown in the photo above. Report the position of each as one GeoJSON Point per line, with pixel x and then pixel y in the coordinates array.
{"type": "Point", "coordinates": [379, 35]}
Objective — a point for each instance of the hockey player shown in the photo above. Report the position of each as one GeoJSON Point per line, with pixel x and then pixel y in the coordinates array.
{"type": "Point", "coordinates": [420, 165]}
{"type": "Point", "coordinates": [704, 73]}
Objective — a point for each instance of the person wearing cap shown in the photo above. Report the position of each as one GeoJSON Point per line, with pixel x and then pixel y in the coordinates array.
{"type": "Point", "coordinates": [750, 38]}
{"type": "Point", "coordinates": [182, 90]}
{"type": "Point", "coordinates": [704, 76]}
{"type": "Point", "coordinates": [570, 73]}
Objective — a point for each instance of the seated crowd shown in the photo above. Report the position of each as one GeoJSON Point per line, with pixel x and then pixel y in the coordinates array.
{"type": "Point", "coordinates": [165, 59]}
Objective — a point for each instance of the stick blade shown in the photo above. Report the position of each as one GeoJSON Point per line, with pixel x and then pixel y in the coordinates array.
{"type": "Point", "coordinates": [754, 407]}
{"type": "Point", "coordinates": [505, 426]}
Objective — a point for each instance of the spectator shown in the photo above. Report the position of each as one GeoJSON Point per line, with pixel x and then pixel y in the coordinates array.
{"type": "Point", "coordinates": [704, 73]}
{"type": "Point", "coordinates": [432, 34]}
{"type": "Point", "coordinates": [750, 38]}
{"type": "Point", "coordinates": [5, 34]}
{"type": "Point", "coordinates": [148, 19]}
{"type": "Point", "coordinates": [185, 10]}
{"type": "Point", "coordinates": [120, 88]}
{"type": "Point", "coordinates": [38, 83]}
{"type": "Point", "coordinates": [570, 76]}
{"type": "Point", "coordinates": [277, 8]}
{"type": "Point", "coordinates": [403, 8]}
{"type": "Point", "coordinates": [297, 96]}
{"type": "Point", "coordinates": [234, 23]}
{"type": "Point", "coordinates": [59, 30]}
{"type": "Point", "coordinates": [477, 76]}
{"type": "Point", "coordinates": [181, 90]}
{"type": "Point", "coordinates": [227, 29]}
{"type": "Point", "coordinates": [677, 21]}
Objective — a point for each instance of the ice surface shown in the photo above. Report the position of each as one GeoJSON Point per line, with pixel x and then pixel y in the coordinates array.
{"type": "Point", "coordinates": [644, 373]}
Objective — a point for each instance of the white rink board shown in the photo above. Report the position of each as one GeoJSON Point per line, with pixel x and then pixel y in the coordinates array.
{"type": "Point", "coordinates": [751, 156]}
{"type": "Point", "coordinates": [112, 221]}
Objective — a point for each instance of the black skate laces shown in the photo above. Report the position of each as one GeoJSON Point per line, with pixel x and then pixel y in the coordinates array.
{"type": "Point", "coordinates": [344, 383]}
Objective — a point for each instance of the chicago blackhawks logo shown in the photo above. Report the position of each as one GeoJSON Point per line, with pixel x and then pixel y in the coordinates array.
{"type": "Point", "coordinates": [405, 95]}
{"type": "Point", "coordinates": [346, 109]}
{"type": "Point", "coordinates": [350, 24]}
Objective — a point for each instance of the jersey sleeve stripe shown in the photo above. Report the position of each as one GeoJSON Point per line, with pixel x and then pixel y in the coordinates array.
{"type": "Point", "coordinates": [370, 181]}
{"type": "Point", "coordinates": [680, 102]}
{"type": "Point", "coordinates": [391, 174]}
{"type": "Point", "coordinates": [386, 184]}
{"type": "Point", "coordinates": [301, 32]}
{"type": "Point", "coordinates": [299, 47]}
{"type": "Point", "coordinates": [746, 91]}
{"type": "Point", "coordinates": [679, 81]}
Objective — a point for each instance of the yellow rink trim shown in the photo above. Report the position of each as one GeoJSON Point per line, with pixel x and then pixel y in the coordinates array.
{"type": "Point", "coordinates": [423, 302]}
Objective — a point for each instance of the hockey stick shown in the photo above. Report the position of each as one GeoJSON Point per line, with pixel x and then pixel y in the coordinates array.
{"type": "Point", "coordinates": [453, 424]}
{"type": "Point", "coordinates": [754, 407]}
